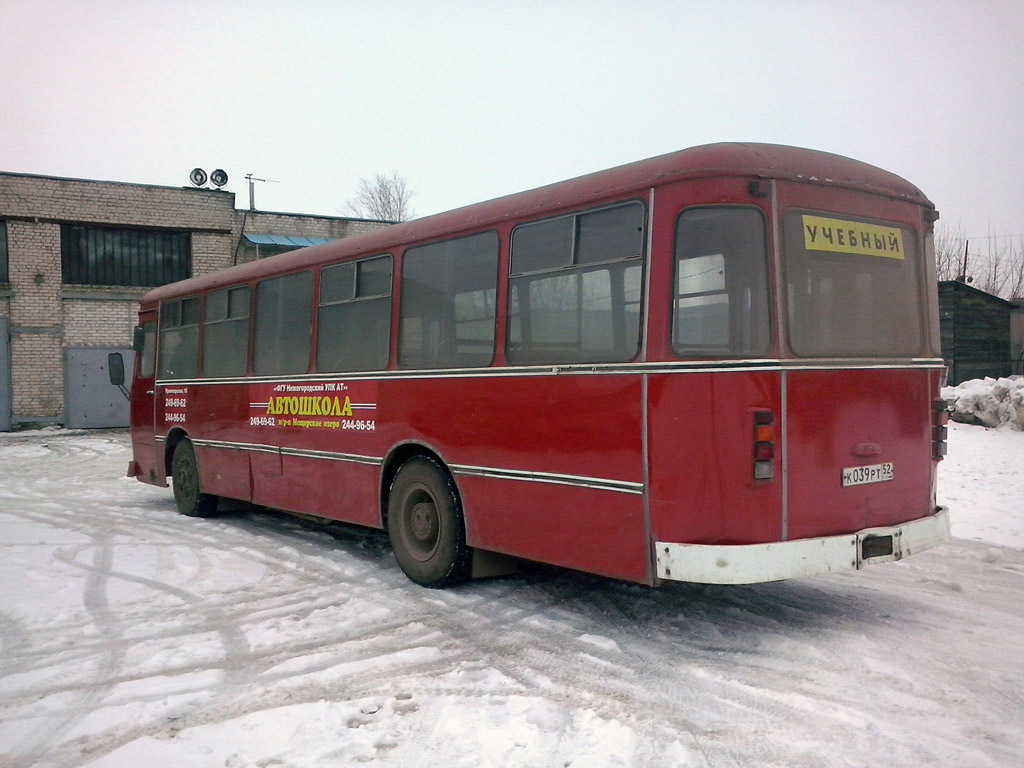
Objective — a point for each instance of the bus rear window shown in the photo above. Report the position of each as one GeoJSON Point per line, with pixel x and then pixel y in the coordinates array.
{"type": "Point", "coordinates": [720, 308]}
{"type": "Point", "coordinates": [853, 287]}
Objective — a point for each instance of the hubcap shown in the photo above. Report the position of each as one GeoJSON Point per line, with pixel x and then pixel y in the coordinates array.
{"type": "Point", "coordinates": [185, 481]}
{"type": "Point", "coordinates": [421, 524]}
{"type": "Point", "coordinates": [424, 516]}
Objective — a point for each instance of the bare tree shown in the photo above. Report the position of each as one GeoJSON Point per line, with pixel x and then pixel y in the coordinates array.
{"type": "Point", "coordinates": [994, 264]}
{"type": "Point", "coordinates": [993, 268]}
{"type": "Point", "coordinates": [949, 252]}
{"type": "Point", "coordinates": [1015, 284]}
{"type": "Point", "coordinates": [382, 197]}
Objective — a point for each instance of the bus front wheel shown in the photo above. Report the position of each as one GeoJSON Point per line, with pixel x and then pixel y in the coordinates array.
{"type": "Point", "coordinates": [425, 525]}
{"type": "Point", "coordinates": [190, 499]}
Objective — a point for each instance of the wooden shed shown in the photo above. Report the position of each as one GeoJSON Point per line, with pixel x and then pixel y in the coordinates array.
{"type": "Point", "coordinates": [975, 332]}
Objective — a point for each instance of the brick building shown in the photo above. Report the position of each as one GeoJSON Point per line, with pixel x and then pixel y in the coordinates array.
{"type": "Point", "coordinates": [75, 257]}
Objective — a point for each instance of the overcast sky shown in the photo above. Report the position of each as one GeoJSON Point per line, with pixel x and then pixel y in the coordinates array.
{"type": "Point", "coordinates": [471, 100]}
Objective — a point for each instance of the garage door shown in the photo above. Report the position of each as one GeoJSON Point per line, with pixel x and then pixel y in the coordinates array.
{"type": "Point", "coordinates": [90, 399]}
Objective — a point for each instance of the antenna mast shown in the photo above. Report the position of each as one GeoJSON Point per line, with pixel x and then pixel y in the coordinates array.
{"type": "Point", "coordinates": [252, 197]}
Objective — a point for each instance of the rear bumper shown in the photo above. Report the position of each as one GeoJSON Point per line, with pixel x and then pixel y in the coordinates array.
{"type": "Point", "coordinates": [754, 563]}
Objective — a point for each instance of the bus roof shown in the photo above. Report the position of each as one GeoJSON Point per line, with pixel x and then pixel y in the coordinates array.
{"type": "Point", "coordinates": [724, 159]}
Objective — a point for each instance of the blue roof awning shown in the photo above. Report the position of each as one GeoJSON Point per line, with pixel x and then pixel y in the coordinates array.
{"type": "Point", "coordinates": [283, 241]}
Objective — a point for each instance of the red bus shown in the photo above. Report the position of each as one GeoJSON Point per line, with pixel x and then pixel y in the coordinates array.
{"type": "Point", "coordinates": [720, 365]}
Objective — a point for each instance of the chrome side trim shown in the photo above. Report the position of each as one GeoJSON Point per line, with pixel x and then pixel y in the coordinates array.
{"type": "Point", "coordinates": [553, 478]}
{"type": "Point", "coordinates": [352, 458]}
{"type": "Point", "coordinates": [284, 451]}
{"type": "Point", "coordinates": [645, 455]}
{"type": "Point", "coordinates": [648, 264]}
{"type": "Point", "coordinates": [784, 439]}
{"type": "Point", "coordinates": [580, 481]}
{"type": "Point", "coordinates": [597, 369]}
{"type": "Point", "coordinates": [781, 296]}
{"type": "Point", "coordinates": [781, 302]}
{"type": "Point", "coordinates": [230, 446]}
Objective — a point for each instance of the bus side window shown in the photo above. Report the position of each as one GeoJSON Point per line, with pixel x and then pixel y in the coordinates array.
{"type": "Point", "coordinates": [447, 312]}
{"type": "Point", "coordinates": [720, 307]}
{"type": "Point", "coordinates": [179, 338]}
{"type": "Point", "coordinates": [354, 326]}
{"type": "Point", "coordinates": [574, 290]}
{"type": "Point", "coordinates": [284, 318]}
{"type": "Point", "coordinates": [147, 358]}
{"type": "Point", "coordinates": [226, 332]}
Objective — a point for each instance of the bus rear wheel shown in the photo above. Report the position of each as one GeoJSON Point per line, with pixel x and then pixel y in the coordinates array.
{"type": "Point", "coordinates": [425, 525]}
{"type": "Point", "coordinates": [190, 499]}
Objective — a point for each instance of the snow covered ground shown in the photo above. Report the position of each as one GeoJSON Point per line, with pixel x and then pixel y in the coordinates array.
{"type": "Point", "coordinates": [133, 637]}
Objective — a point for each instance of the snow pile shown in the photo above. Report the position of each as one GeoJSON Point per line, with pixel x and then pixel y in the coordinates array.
{"type": "Point", "coordinates": [988, 402]}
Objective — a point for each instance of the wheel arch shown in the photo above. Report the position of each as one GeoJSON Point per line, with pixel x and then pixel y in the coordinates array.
{"type": "Point", "coordinates": [174, 437]}
{"type": "Point", "coordinates": [394, 460]}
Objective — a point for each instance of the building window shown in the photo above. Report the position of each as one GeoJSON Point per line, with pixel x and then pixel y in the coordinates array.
{"type": "Point", "coordinates": [3, 252]}
{"type": "Point", "coordinates": [107, 256]}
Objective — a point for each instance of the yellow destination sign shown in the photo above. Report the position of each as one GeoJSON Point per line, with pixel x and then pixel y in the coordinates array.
{"type": "Point", "coordinates": [839, 236]}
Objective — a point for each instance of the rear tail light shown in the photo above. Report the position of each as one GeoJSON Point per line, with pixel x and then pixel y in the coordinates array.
{"type": "Point", "coordinates": [764, 445]}
{"type": "Point", "coordinates": [939, 429]}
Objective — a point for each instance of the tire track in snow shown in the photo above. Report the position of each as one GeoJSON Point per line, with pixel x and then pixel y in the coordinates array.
{"type": "Point", "coordinates": [474, 619]}
{"type": "Point", "coordinates": [30, 749]}
{"type": "Point", "coordinates": [548, 629]}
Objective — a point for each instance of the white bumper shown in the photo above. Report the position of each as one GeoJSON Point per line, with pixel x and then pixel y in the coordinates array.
{"type": "Point", "coordinates": [753, 563]}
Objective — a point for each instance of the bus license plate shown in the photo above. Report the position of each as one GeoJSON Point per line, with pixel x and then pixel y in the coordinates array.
{"type": "Point", "coordinates": [874, 473]}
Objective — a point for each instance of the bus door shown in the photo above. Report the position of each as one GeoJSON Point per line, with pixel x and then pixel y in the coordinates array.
{"type": "Point", "coordinates": [860, 390]}
{"type": "Point", "coordinates": [148, 462]}
{"type": "Point", "coordinates": [711, 269]}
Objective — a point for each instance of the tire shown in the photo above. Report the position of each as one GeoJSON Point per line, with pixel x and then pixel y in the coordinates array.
{"type": "Point", "coordinates": [425, 525]}
{"type": "Point", "coordinates": [190, 499]}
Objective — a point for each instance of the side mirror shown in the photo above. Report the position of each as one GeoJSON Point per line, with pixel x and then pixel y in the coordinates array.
{"type": "Point", "coordinates": [139, 339]}
{"type": "Point", "coordinates": [115, 369]}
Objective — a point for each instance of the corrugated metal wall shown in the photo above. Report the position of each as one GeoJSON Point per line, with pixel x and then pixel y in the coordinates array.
{"type": "Point", "coordinates": [975, 332]}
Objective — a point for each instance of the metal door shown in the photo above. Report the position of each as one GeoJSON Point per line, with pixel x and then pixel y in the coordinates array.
{"type": "Point", "coordinates": [90, 400]}
{"type": "Point", "coordinates": [5, 374]}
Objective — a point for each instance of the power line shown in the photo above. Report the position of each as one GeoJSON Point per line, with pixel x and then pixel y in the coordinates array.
{"type": "Point", "coordinates": [980, 237]}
